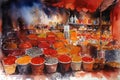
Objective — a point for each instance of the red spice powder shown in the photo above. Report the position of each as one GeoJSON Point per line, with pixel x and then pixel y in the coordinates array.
{"type": "Point", "coordinates": [37, 60]}
{"type": "Point", "coordinates": [49, 51]}
{"type": "Point", "coordinates": [64, 58]}
{"type": "Point", "coordinates": [51, 39]}
{"type": "Point", "coordinates": [43, 45]}
{"type": "Point", "coordinates": [87, 59]}
{"type": "Point", "coordinates": [25, 45]}
{"type": "Point", "coordinates": [41, 39]}
{"type": "Point", "coordinates": [9, 60]}
{"type": "Point", "coordinates": [32, 36]}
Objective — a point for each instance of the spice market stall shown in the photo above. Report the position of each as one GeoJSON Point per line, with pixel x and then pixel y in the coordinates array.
{"type": "Point", "coordinates": [60, 40]}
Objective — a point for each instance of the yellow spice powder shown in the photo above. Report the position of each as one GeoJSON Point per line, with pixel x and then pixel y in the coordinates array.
{"type": "Point", "coordinates": [76, 58]}
{"type": "Point", "coordinates": [23, 60]}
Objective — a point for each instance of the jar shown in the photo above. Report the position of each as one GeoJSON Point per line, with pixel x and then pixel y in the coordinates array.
{"type": "Point", "coordinates": [87, 63]}
{"type": "Point", "coordinates": [25, 45]}
{"type": "Point", "coordinates": [23, 64]}
{"type": "Point", "coordinates": [51, 64]}
{"type": "Point", "coordinates": [37, 65]}
{"type": "Point", "coordinates": [65, 62]}
{"type": "Point", "coordinates": [9, 64]}
{"type": "Point", "coordinates": [76, 63]}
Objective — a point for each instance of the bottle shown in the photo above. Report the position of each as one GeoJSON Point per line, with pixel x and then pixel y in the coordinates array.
{"type": "Point", "coordinates": [101, 54]}
{"type": "Point", "coordinates": [75, 19]}
{"type": "Point", "coordinates": [71, 19]}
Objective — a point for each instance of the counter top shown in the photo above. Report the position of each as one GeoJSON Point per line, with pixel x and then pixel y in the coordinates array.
{"type": "Point", "coordinates": [76, 75]}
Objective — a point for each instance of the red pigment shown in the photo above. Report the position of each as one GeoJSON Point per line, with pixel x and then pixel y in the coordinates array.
{"type": "Point", "coordinates": [37, 60]}
{"type": "Point", "coordinates": [87, 59]}
{"type": "Point", "coordinates": [25, 45]}
{"type": "Point", "coordinates": [41, 39]}
{"type": "Point", "coordinates": [44, 45]}
{"type": "Point", "coordinates": [64, 58]}
{"type": "Point", "coordinates": [50, 52]}
{"type": "Point", "coordinates": [9, 60]}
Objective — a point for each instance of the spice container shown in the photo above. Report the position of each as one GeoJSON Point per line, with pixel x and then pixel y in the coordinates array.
{"type": "Point", "coordinates": [50, 52]}
{"type": "Point", "coordinates": [33, 39]}
{"type": "Point", "coordinates": [9, 48]}
{"type": "Point", "coordinates": [76, 63]}
{"type": "Point", "coordinates": [50, 40]}
{"type": "Point", "coordinates": [9, 64]}
{"type": "Point", "coordinates": [87, 63]}
{"type": "Point", "coordinates": [51, 65]}
{"type": "Point", "coordinates": [58, 44]}
{"type": "Point", "coordinates": [25, 45]}
{"type": "Point", "coordinates": [65, 62]}
{"type": "Point", "coordinates": [37, 65]}
{"type": "Point", "coordinates": [23, 64]}
{"type": "Point", "coordinates": [44, 44]}
{"type": "Point", "coordinates": [63, 51]}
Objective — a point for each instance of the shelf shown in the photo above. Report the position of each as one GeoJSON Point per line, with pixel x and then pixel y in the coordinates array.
{"type": "Point", "coordinates": [75, 24]}
{"type": "Point", "coordinates": [99, 25]}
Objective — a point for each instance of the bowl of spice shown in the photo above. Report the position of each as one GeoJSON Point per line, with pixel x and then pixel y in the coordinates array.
{"type": "Point", "coordinates": [65, 62]}
{"type": "Point", "coordinates": [87, 63]}
{"type": "Point", "coordinates": [37, 65]}
{"type": "Point", "coordinates": [23, 64]}
{"type": "Point", "coordinates": [9, 64]}
{"type": "Point", "coordinates": [51, 64]}
{"type": "Point", "coordinates": [76, 63]}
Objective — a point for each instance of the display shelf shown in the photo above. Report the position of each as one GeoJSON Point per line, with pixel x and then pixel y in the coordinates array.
{"type": "Point", "coordinates": [77, 24]}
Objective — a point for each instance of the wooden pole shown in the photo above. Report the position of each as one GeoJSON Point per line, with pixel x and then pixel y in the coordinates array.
{"type": "Point", "coordinates": [101, 31]}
